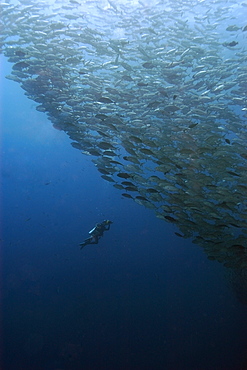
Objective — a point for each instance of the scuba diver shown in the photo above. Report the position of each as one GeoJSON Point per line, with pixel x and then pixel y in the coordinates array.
{"type": "Point", "coordinates": [96, 233]}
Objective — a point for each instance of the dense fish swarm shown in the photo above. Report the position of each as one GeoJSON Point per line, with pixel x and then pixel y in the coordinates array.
{"type": "Point", "coordinates": [155, 91]}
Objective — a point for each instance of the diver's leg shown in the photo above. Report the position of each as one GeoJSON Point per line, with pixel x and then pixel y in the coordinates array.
{"type": "Point", "coordinates": [86, 242]}
{"type": "Point", "coordinates": [94, 239]}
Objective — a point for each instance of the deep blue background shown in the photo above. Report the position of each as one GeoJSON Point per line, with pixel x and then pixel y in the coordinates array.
{"type": "Point", "coordinates": [142, 298]}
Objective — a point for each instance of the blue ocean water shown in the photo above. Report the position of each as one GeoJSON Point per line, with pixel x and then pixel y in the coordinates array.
{"type": "Point", "coordinates": [142, 298]}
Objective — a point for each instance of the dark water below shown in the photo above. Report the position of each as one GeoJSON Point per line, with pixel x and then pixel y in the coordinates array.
{"type": "Point", "coordinates": [142, 298]}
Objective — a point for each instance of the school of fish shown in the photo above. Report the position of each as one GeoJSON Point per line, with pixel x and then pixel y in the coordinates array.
{"type": "Point", "coordinates": [155, 91]}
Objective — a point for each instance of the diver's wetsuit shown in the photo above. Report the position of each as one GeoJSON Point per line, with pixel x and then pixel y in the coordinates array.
{"type": "Point", "coordinates": [96, 233]}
